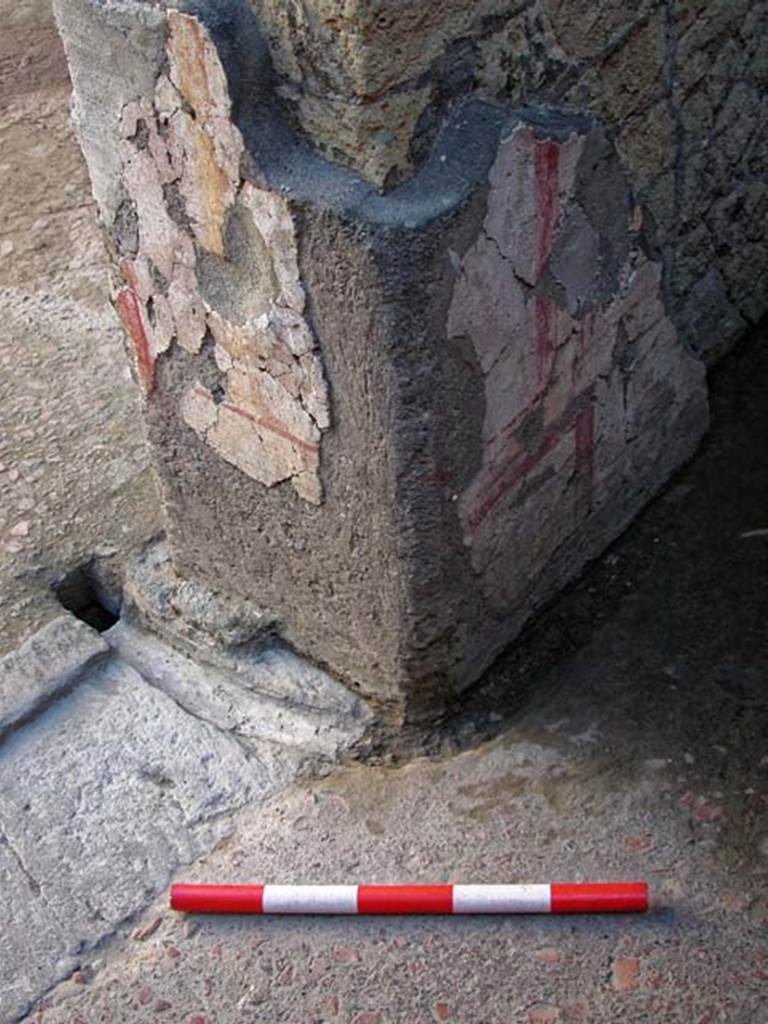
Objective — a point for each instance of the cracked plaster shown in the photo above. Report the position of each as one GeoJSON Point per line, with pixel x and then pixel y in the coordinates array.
{"type": "Point", "coordinates": [560, 392]}
{"type": "Point", "coordinates": [181, 158]}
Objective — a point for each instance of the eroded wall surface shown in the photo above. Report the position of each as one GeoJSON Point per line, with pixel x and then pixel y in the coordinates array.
{"type": "Point", "coordinates": [680, 84]}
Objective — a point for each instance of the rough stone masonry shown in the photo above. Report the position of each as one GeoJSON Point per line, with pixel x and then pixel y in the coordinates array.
{"type": "Point", "coordinates": [419, 296]}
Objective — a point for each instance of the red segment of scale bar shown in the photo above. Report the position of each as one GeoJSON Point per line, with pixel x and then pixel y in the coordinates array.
{"type": "Point", "coordinates": [599, 897]}
{"type": "Point", "coordinates": [405, 899]}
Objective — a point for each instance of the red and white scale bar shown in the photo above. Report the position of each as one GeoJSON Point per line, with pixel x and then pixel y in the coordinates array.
{"type": "Point", "coordinates": [580, 898]}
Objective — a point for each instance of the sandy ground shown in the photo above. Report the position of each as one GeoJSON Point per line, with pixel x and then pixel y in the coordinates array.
{"type": "Point", "coordinates": [73, 468]}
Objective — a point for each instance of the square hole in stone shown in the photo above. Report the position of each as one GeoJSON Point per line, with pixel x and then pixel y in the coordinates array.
{"type": "Point", "coordinates": [79, 594]}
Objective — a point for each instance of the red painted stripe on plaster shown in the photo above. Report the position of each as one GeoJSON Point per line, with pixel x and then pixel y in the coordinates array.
{"type": "Point", "coordinates": [512, 472]}
{"type": "Point", "coordinates": [128, 270]}
{"type": "Point", "coordinates": [129, 310]}
{"type": "Point", "coordinates": [272, 426]}
{"type": "Point", "coordinates": [546, 163]}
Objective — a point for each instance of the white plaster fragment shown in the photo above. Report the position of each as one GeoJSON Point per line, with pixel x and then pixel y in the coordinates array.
{"type": "Point", "coordinates": [244, 344]}
{"type": "Point", "coordinates": [260, 445]}
{"type": "Point", "coordinates": [141, 279]}
{"type": "Point", "coordinates": [272, 218]}
{"type": "Point", "coordinates": [163, 324]}
{"type": "Point", "coordinates": [198, 408]}
{"type": "Point", "coordinates": [195, 68]}
{"type": "Point", "coordinates": [207, 189]}
{"type": "Point", "coordinates": [157, 232]}
{"type": "Point", "coordinates": [314, 393]}
{"type": "Point", "coordinates": [289, 330]}
{"type": "Point", "coordinates": [187, 308]}
{"type": "Point", "coordinates": [167, 99]}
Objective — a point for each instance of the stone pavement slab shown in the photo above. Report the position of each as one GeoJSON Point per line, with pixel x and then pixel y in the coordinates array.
{"type": "Point", "coordinates": [44, 665]}
{"type": "Point", "coordinates": [108, 786]}
{"type": "Point", "coordinates": [123, 759]}
{"type": "Point", "coordinates": [271, 695]}
{"type": "Point", "coordinates": [101, 797]}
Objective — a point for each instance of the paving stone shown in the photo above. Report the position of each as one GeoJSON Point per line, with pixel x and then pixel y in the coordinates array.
{"type": "Point", "coordinates": [45, 665]}
{"type": "Point", "coordinates": [268, 695]}
{"type": "Point", "coordinates": [102, 796]}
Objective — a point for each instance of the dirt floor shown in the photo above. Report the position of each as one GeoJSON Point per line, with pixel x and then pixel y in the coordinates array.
{"type": "Point", "coordinates": [73, 466]}
{"type": "Point", "coordinates": [625, 736]}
